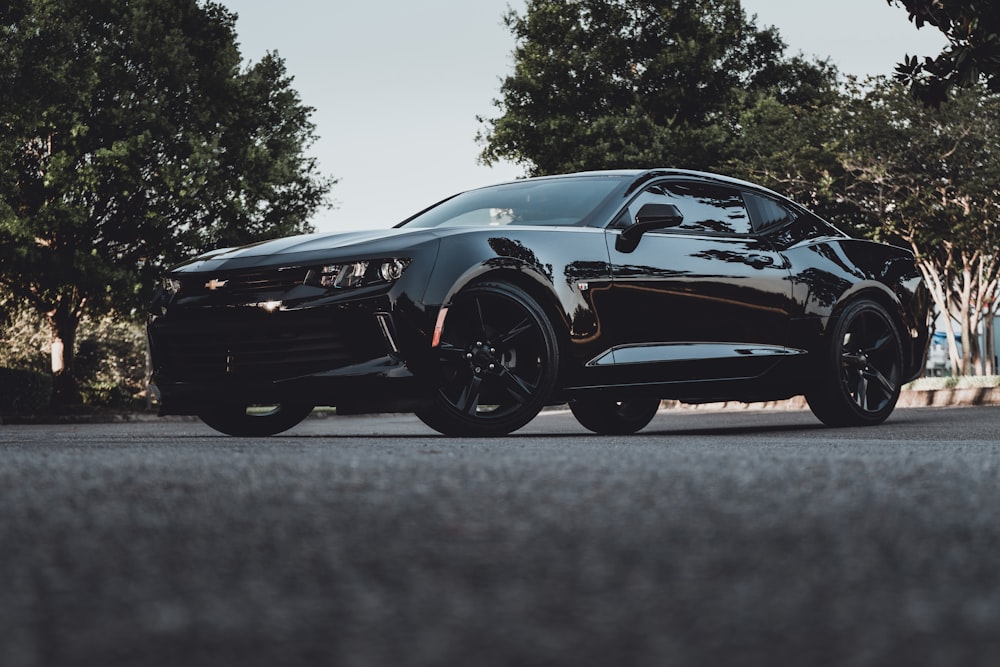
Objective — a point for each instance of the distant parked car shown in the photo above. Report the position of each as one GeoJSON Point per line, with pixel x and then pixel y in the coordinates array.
{"type": "Point", "coordinates": [607, 290]}
{"type": "Point", "coordinates": [937, 359]}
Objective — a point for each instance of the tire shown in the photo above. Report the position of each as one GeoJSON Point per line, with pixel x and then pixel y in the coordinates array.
{"type": "Point", "coordinates": [609, 417]}
{"type": "Point", "coordinates": [499, 363]}
{"type": "Point", "coordinates": [860, 375]}
{"type": "Point", "coordinates": [251, 421]}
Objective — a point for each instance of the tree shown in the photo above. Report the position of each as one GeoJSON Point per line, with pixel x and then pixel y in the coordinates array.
{"type": "Point", "coordinates": [931, 178]}
{"type": "Point", "coordinates": [972, 56]}
{"type": "Point", "coordinates": [130, 136]}
{"type": "Point", "coordinates": [620, 83]}
{"type": "Point", "coordinates": [791, 145]}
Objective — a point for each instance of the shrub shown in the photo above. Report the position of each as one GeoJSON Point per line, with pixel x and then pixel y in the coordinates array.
{"type": "Point", "coordinates": [24, 391]}
{"type": "Point", "coordinates": [105, 395]}
{"type": "Point", "coordinates": [110, 360]}
{"type": "Point", "coordinates": [24, 337]}
{"type": "Point", "coordinates": [110, 353]}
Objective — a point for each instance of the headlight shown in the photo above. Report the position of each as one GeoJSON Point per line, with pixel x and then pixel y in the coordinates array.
{"type": "Point", "coordinates": [391, 269]}
{"type": "Point", "coordinates": [357, 274]}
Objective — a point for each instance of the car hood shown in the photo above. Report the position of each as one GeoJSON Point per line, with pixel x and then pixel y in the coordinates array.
{"type": "Point", "coordinates": [311, 248]}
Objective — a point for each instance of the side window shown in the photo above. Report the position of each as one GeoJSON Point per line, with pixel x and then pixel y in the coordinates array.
{"type": "Point", "coordinates": [706, 207]}
{"type": "Point", "coordinates": [765, 212]}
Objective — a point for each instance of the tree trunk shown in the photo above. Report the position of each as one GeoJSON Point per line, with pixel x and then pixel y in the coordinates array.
{"type": "Point", "coordinates": [989, 353]}
{"type": "Point", "coordinates": [63, 321]}
{"type": "Point", "coordinates": [941, 295]}
{"type": "Point", "coordinates": [970, 348]}
{"type": "Point", "coordinates": [964, 294]}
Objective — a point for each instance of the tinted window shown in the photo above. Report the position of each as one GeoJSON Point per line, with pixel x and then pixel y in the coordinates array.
{"type": "Point", "coordinates": [766, 212]}
{"type": "Point", "coordinates": [706, 207]}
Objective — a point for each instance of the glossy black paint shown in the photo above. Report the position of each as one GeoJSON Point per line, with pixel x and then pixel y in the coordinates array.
{"type": "Point", "coordinates": [732, 309]}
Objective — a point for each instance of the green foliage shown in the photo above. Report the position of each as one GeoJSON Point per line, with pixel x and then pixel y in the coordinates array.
{"type": "Point", "coordinates": [111, 361]}
{"type": "Point", "coordinates": [625, 83]}
{"type": "Point", "coordinates": [792, 147]}
{"type": "Point", "coordinates": [972, 56]}
{"type": "Point", "coordinates": [132, 138]}
{"type": "Point", "coordinates": [131, 135]}
{"type": "Point", "coordinates": [926, 174]}
{"type": "Point", "coordinates": [24, 391]}
{"type": "Point", "coordinates": [111, 354]}
{"type": "Point", "coordinates": [105, 395]}
{"type": "Point", "coordinates": [24, 339]}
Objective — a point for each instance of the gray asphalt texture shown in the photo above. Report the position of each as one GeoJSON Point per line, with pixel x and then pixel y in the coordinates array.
{"type": "Point", "coordinates": [711, 538]}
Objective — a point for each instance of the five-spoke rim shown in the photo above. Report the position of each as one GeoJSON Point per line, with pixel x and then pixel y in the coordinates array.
{"type": "Point", "coordinates": [492, 356]}
{"type": "Point", "coordinates": [869, 361]}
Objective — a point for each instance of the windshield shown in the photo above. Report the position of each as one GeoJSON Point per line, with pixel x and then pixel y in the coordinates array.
{"type": "Point", "coordinates": [559, 201]}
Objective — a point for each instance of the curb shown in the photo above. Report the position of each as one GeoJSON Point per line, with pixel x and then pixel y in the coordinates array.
{"type": "Point", "coordinates": [948, 397]}
{"type": "Point", "coordinates": [96, 418]}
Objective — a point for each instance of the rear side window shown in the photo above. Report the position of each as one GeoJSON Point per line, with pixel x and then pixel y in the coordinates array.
{"type": "Point", "coordinates": [765, 212]}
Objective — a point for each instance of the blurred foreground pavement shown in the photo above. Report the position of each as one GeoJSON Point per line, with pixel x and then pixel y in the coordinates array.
{"type": "Point", "coordinates": [710, 538]}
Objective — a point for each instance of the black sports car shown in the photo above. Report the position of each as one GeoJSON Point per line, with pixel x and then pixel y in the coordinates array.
{"type": "Point", "coordinates": [607, 290]}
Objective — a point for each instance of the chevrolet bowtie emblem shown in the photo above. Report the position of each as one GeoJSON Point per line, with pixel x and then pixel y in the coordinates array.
{"type": "Point", "coordinates": [215, 283]}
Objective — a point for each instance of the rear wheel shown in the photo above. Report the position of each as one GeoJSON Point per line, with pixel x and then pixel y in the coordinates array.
{"type": "Point", "coordinates": [610, 417]}
{"type": "Point", "coordinates": [255, 420]}
{"type": "Point", "coordinates": [860, 376]}
{"type": "Point", "coordinates": [499, 363]}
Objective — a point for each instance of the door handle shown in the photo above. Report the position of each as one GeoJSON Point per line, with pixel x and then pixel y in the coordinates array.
{"type": "Point", "coordinates": [760, 261]}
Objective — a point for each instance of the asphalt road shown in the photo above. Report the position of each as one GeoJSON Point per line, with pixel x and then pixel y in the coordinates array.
{"type": "Point", "coordinates": [737, 538]}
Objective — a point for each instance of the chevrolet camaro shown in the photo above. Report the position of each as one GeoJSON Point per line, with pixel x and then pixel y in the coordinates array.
{"type": "Point", "coordinates": [609, 291]}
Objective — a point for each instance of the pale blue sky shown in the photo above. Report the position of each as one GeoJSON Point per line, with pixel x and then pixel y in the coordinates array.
{"type": "Point", "coordinates": [397, 85]}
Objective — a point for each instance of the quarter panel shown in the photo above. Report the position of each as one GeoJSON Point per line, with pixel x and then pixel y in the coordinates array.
{"type": "Point", "coordinates": [829, 273]}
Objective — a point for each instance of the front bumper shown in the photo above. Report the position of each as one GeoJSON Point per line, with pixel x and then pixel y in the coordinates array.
{"type": "Point", "coordinates": [360, 355]}
{"type": "Point", "coordinates": [384, 384]}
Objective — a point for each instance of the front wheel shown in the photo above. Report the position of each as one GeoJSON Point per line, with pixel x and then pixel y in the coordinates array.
{"type": "Point", "coordinates": [860, 375]}
{"type": "Point", "coordinates": [253, 420]}
{"type": "Point", "coordinates": [610, 417]}
{"type": "Point", "coordinates": [499, 363]}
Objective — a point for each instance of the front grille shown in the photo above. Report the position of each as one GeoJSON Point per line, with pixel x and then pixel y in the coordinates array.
{"type": "Point", "coordinates": [243, 286]}
{"type": "Point", "coordinates": [252, 345]}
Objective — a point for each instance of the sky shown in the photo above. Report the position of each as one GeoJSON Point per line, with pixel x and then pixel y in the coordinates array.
{"type": "Point", "coordinates": [397, 85]}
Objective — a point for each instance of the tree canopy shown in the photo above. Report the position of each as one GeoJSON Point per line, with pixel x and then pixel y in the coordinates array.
{"type": "Point", "coordinates": [615, 83]}
{"type": "Point", "coordinates": [131, 135]}
{"type": "Point", "coordinates": [972, 28]}
{"type": "Point", "coordinates": [792, 148]}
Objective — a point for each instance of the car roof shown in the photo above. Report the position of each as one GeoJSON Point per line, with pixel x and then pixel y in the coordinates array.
{"type": "Point", "coordinates": [643, 175]}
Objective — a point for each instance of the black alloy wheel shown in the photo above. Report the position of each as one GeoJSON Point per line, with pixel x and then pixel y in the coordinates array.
{"type": "Point", "coordinates": [253, 420]}
{"type": "Point", "coordinates": [861, 377]}
{"type": "Point", "coordinates": [610, 417]}
{"type": "Point", "coordinates": [499, 363]}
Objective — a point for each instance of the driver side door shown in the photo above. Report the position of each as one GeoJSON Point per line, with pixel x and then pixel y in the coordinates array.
{"type": "Point", "coordinates": [701, 299]}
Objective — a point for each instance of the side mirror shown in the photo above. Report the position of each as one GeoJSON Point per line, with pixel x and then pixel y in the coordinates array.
{"type": "Point", "coordinates": [650, 217]}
